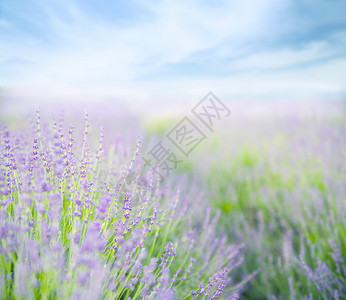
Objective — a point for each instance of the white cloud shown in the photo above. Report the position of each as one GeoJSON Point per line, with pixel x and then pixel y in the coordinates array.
{"type": "Point", "coordinates": [99, 56]}
{"type": "Point", "coordinates": [89, 52]}
{"type": "Point", "coordinates": [287, 57]}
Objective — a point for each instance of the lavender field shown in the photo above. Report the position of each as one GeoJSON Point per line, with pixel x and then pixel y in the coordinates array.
{"type": "Point", "coordinates": [73, 226]}
{"type": "Point", "coordinates": [256, 212]}
{"type": "Point", "coordinates": [172, 149]}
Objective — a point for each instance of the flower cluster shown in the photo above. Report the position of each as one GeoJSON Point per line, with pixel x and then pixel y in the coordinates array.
{"type": "Point", "coordinates": [68, 229]}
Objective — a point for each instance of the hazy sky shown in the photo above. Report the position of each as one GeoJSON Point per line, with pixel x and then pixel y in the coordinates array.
{"type": "Point", "coordinates": [166, 49]}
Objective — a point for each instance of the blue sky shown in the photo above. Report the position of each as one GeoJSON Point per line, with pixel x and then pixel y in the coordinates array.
{"type": "Point", "coordinates": [240, 49]}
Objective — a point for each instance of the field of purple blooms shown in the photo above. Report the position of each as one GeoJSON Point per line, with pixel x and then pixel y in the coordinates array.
{"type": "Point", "coordinates": [72, 226]}
{"type": "Point", "coordinates": [257, 212]}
